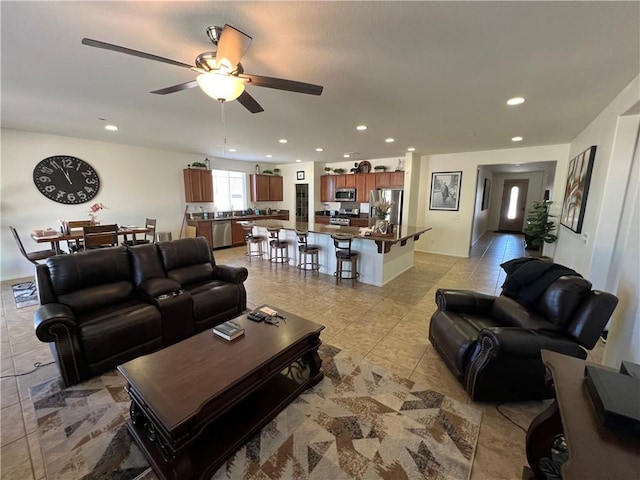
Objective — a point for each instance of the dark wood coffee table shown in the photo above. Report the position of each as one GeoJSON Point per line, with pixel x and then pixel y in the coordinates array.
{"type": "Point", "coordinates": [196, 402]}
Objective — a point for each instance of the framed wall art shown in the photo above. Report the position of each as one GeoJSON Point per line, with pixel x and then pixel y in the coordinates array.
{"type": "Point", "coordinates": [445, 191]}
{"type": "Point", "coordinates": [486, 194]}
{"type": "Point", "coordinates": [300, 175]}
{"type": "Point", "coordinates": [576, 190]}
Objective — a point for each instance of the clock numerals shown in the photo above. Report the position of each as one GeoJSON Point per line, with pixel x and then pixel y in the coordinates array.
{"type": "Point", "coordinates": [66, 179]}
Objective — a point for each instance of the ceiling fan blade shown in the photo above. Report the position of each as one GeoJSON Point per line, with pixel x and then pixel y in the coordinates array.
{"type": "Point", "coordinates": [232, 46]}
{"type": "Point", "coordinates": [176, 88]}
{"type": "Point", "coordinates": [135, 53]}
{"type": "Point", "coordinates": [248, 102]}
{"type": "Point", "coordinates": [282, 84]}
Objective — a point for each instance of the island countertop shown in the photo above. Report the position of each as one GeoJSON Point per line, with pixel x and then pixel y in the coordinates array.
{"type": "Point", "coordinates": [400, 234]}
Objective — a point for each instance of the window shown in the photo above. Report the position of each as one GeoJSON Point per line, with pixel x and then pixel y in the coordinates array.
{"type": "Point", "coordinates": [513, 203]}
{"type": "Point", "coordinates": [229, 190]}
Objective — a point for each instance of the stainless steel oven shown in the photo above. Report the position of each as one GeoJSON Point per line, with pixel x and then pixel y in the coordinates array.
{"type": "Point", "coordinates": [345, 195]}
{"type": "Point", "coordinates": [342, 221]}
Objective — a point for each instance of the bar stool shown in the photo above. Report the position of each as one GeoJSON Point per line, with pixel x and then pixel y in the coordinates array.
{"type": "Point", "coordinates": [254, 242]}
{"type": "Point", "coordinates": [307, 254]}
{"type": "Point", "coordinates": [277, 247]}
{"type": "Point", "coordinates": [344, 254]}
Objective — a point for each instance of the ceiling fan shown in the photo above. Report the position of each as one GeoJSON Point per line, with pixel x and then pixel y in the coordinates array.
{"type": "Point", "coordinates": [221, 75]}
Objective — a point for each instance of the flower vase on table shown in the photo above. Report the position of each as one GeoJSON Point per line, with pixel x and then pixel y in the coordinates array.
{"type": "Point", "coordinates": [93, 212]}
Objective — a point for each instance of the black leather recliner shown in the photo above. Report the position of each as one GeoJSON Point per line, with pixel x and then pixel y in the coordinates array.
{"type": "Point", "coordinates": [492, 344]}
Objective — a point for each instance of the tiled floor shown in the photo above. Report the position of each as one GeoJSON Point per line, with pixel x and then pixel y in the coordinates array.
{"type": "Point", "coordinates": [388, 325]}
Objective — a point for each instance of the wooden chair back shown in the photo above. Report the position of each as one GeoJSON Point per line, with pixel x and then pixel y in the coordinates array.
{"type": "Point", "coordinates": [99, 236]}
{"type": "Point", "coordinates": [150, 224]}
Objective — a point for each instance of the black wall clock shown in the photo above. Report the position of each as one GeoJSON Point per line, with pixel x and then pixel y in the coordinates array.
{"type": "Point", "coordinates": [66, 179]}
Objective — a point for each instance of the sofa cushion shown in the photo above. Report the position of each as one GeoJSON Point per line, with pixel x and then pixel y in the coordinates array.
{"type": "Point", "coordinates": [108, 331]}
{"type": "Point", "coordinates": [184, 252]}
{"type": "Point", "coordinates": [213, 297]}
{"type": "Point", "coordinates": [90, 299]}
{"type": "Point", "coordinates": [561, 300]}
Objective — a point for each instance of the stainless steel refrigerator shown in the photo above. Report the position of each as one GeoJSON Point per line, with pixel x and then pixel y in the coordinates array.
{"type": "Point", "coordinates": [394, 217]}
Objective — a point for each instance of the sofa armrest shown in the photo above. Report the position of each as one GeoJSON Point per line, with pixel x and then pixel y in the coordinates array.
{"type": "Point", "coordinates": [464, 301]}
{"type": "Point", "coordinates": [231, 274]}
{"type": "Point", "coordinates": [507, 364]}
{"type": "Point", "coordinates": [55, 324]}
{"type": "Point", "coordinates": [49, 315]}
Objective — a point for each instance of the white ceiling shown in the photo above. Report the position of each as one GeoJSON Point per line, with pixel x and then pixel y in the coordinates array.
{"type": "Point", "coordinates": [433, 75]}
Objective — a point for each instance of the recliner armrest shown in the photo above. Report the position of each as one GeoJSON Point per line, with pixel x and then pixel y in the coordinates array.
{"type": "Point", "coordinates": [464, 301]}
{"type": "Point", "coordinates": [231, 274]}
{"type": "Point", "coordinates": [50, 314]}
{"type": "Point", "coordinates": [524, 342]}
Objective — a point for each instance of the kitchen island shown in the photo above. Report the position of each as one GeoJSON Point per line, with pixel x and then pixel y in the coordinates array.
{"type": "Point", "coordinates": [382, 257]}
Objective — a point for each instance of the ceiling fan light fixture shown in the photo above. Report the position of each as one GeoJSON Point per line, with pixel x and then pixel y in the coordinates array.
{"type": "Point", "coordinates": [223, 88]}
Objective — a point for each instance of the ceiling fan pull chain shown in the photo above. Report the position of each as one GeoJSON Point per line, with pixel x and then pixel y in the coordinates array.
{"type": "Point", "coordinates": [224, 130]}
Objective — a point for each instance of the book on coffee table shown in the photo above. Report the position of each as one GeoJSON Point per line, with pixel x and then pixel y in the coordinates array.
{"type": "Point", "coordinates": [228, 330]}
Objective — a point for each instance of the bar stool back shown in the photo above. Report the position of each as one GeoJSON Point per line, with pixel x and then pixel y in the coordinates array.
{"type": "Point", "coordinates": [344, 254]}
{"type": "Point", "coordinates": [254, 242]}
{"type": "Point", "coordinates": [307, 254]}
{"type": "Point", "coordinates": [278, 249]}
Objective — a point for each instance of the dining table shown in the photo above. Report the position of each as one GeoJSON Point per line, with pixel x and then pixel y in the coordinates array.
{"type": "Point", "coordinates": [54, 237]}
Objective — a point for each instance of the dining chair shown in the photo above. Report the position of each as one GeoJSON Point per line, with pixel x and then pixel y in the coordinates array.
{"type": "Point", "coordinates": [149, 237]}
{"type": "Point", "coordinates": [33, 257]}
{"type": "Point", "coordinates": [190, 232]}
{"type": "Point", "coordinates": [100, 236]}
{"type": "Point", "coordinates": [76, 226]}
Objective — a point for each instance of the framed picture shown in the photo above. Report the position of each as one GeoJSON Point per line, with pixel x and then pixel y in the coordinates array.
{"type": "Point", "coordinates": [445, 191]}
{"type": "Point", "coordinates": [576, 190]}
{"type": "Point", "coordinates": [486, 194]}
{"type": "Point", "coordinates": [300, 175]}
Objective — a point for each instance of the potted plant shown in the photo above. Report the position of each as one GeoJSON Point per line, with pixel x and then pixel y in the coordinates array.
{"type": "Point", "coordinates": [267, 172]}
{"type": "Point", "coordinates": [539, 228]}
{"type": "Point", "coordinates": [328, 170]}
{"type": "Point", "coordinates": [276, 171]}
{"type": "Point", "coordinates": [199, 165]}
{"type": "Point", "coordinates": [380, 167]}
{"type": "Point", "coordinates": [338, 170]}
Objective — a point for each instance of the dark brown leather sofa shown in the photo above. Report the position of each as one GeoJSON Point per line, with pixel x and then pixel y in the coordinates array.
{"type": "Point", "coordinates": [492, 344]}
{"type": "Point", "coordinates": [104, 307]}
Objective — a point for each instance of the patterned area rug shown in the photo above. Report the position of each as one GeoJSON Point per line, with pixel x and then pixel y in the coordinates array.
{"type": "Point", "coordinates": [25, 294]}
{"type": "Point", "coordinates": [360, 422]}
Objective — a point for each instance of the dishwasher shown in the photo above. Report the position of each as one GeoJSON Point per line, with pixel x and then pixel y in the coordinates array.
{"type": "Point", "coordinates": [221, 233]}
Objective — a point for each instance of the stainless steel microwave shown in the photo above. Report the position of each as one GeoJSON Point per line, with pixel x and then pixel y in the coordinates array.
{"type": "Point", "coordinates": [345, 195]}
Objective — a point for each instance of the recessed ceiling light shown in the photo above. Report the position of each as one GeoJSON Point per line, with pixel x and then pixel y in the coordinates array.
{"type": "Point", "coordinates": [515, 101]}
{"type": "Point", "coordinates": [390, 140]}
{"type": "Point", "coordinates": [346, 155]}
{"type": "Point", "coordinates": [361, 127]}
{"type": "Point", "coordinates": [269, 156]}
{"type": "Point", "coordinates": [298, 160]}
{"type": "Point", "coordinates": [283, 140]}
{"type": "Point", "coordinates": [319, 149]}
{"type": "Point", "coordinates": [232, 150]}
{"type": "Point", "coordinates": [411, 149]}
{"type": "Point", "coordinates": [516, 139]}
{"type": "Point", "coordinates": [111, 128]}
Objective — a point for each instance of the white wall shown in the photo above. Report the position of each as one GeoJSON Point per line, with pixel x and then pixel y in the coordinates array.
{"type": "Point", "coordinates": [611, 172]}
{"type": "Point", "coordinates": [136, 183]}
{"type": "Point", "coordinates": [452, 231]}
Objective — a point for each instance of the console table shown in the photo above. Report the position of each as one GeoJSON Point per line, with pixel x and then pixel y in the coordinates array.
{"type": "Point", "coordinates": [595, 451]}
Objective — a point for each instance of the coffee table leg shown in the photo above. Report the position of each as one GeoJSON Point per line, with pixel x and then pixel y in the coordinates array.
{"type": "Point", "coordinates": [315, 363]}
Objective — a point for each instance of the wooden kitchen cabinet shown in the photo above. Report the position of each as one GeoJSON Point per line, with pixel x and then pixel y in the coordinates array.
{"type": "Point", "coordinates": [322, 219]}
{"type": "Point", "coordinates": [198, 185]}
{"type": "Point", "coordinates": [383, 180]}
{"type": "Point", "coordinates": [266, 188]}
{"type": "Point", "coordinates": [359, 222]}
{"type": "Point", "coordinates": [237, 234]}
{"type": "Point", "coordinates": [327, 188]}
{"type": "Point", "coordinates": [365, 182]}
{"type": "Point", "coordinates": [346, 181]}
{"type": "Point", "coordinates": [203, 229]}
{"type": "Point", "coordinates": [397, 179]}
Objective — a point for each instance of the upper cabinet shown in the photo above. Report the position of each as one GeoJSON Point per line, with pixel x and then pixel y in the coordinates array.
{"type": "Point", "coordinates": [198, 185]}
{"type": "Point", "coordinates": [362, 182]}
{"type": "Point", "coordinates": [266, 188]}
